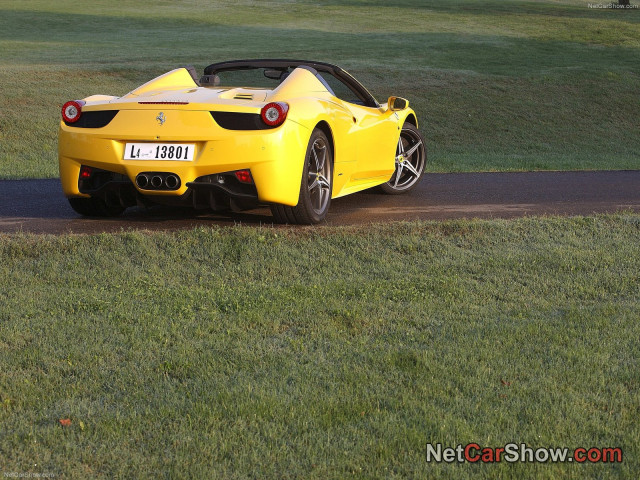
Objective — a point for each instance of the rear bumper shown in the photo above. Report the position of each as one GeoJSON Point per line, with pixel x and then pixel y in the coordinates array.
{"type": "Point", "coordinates": [274, 157]}
{"type": "Point", "coordinates": [218, 191]}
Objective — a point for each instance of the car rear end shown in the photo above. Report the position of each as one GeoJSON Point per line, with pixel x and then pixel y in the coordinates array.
{"type": "Point", "coordinates": [174, 148]}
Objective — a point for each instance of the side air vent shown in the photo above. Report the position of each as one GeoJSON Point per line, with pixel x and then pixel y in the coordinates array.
{"type": "Point", "coordinates": [243, 96]}
{"type": "Point", "coordinates": [239, 121]}
{"type": "Point", "coordinates": [96, 119]}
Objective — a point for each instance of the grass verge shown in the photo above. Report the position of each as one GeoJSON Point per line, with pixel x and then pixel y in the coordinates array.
{"type": "Point", "coordinates": [320, 353]}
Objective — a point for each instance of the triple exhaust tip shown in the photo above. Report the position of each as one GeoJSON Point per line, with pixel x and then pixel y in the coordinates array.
{"type": "Point", "coordinates": [156, 181]}
{"type": "Point", "coordinates": [142, 180]}
{"type": "Point", "coordinates": [172, 182]}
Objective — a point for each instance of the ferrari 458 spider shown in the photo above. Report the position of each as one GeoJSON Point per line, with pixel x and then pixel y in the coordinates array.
{"type": "Point", "coordinates": [285, 133]}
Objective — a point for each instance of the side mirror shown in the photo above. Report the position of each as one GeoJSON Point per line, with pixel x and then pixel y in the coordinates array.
{"type": "Point", "coordinates": [396, 104]}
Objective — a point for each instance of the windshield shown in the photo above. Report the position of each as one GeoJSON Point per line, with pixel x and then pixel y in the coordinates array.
{"type": "Point", "coordinates": [270, 78]}
{"type": "Point", "coordinates": [252, 77]}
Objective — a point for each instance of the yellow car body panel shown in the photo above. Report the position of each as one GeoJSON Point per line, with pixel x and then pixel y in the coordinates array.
{"type": "Point", "coordinates": [272, 158]}
{"type": "Point", "coordinates": [173, 80]}
{"type": "Point", "coordinates": [364, 139]}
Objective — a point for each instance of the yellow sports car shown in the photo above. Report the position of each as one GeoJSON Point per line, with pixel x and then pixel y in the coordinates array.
{"type": "Point", "coordinates": [295, 135]}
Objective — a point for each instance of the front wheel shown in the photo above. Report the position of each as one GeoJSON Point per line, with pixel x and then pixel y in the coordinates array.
{"type": "Point", "coordinates": [411, 158]}
{"type": "Point", "coordinates": [315, 187]}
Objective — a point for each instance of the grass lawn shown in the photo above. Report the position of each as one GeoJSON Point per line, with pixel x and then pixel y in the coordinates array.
{"type": "Point", "coordinates": [330, 352]}
{"type": "Point", "coordinates": [320, 353]}
{"type": "Point", "coordinates": [498, 85]}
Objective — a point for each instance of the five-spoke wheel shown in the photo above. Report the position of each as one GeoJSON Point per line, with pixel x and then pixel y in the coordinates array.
{"type": "Point", "coordinates": [411, 158]}
{"type": "Point", "coordinates": [319, 176]}
{"type": "Point", "coordinates": [316, 185]}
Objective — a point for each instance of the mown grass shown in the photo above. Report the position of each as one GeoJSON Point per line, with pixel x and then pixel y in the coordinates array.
{"type": "Point", "coordinates": [334, 352]}
{"type": "Point", "coordinates": [510, 85]}
{"type": "Point", "coordinates": [320, 353]}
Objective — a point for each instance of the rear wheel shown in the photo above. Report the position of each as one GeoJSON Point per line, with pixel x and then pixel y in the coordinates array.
{"type": "Point", "coordinates": [411, 158]}
{"type": "Point", "coordinates": [94, 207]}
{"type": "Point", "coordinates": [315, 187]}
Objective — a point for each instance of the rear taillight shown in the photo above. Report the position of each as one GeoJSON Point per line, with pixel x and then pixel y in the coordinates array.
{"type": "Point", "coordinates": [244, 176]}
{"type": "Point", "coordinates": [85, 172]}
{"type": "Point", "coordinates": [71, 111]}
{"type": "Point", "coordinates": [274, 113]}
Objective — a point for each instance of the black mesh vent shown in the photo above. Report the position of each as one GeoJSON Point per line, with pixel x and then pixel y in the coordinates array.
{"type": "Point", "coordinates": [239, 121]}
{"type": "Point", "coordinates": [97, 119]}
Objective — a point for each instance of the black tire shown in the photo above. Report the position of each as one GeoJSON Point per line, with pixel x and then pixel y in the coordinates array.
{"type": "Point", "coordinates": [316, 185]}
{"type": "Point", "coordinates": [409, 169]}
{"type": "Point", "coordinates": [94, 207]}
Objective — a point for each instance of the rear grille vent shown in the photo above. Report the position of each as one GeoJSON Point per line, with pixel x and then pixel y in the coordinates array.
{"type": "Point", "coordinates": [94, 119]}
{"type": "Point", "coordinates": [243, 96]}
{"type": "Point", "coordinates": [239, 121]}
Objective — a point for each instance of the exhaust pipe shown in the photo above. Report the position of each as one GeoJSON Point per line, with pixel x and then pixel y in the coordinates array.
{"type": "Point", "coordinates": [156, 181]}
{"type": "Point", "coordinates": [142, 180]}
{"type": "Point", "coordinates": [172, 182]}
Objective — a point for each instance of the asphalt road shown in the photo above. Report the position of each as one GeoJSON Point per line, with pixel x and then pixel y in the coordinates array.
{"type": "Point", "coordinates": [38, 205]}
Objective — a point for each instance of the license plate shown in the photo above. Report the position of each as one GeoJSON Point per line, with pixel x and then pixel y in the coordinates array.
{"type": "Point", "coordinates": [182, 152]}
